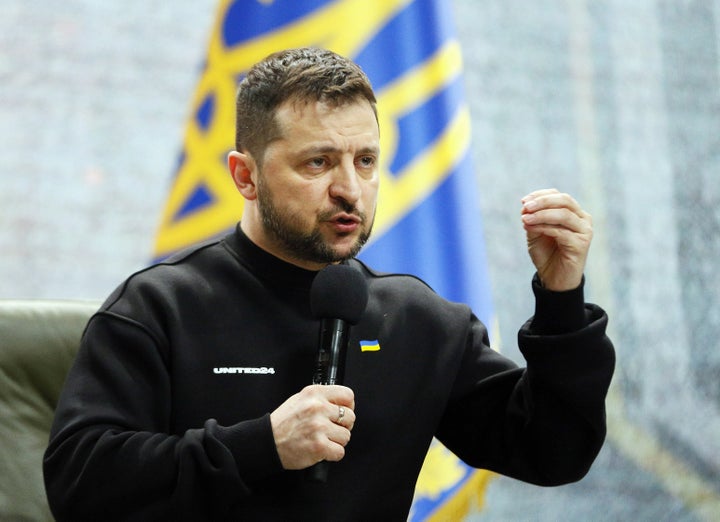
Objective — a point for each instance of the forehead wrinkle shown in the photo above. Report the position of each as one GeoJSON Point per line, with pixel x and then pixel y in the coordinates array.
{"type": "Point", "coordinates": [331, 149]}
{"type": "Point", "coordinates": [288, 118]}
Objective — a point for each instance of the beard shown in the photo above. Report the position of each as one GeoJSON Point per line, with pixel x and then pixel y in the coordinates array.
{"type": "Point", "coordinates": [306, 246]}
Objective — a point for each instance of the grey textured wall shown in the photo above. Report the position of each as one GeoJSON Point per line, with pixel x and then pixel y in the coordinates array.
{"type": "Point", "coordinates": [614, 101]}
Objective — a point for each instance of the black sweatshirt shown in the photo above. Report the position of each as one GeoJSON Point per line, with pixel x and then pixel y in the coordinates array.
{"type": "Point", "coordinates": [165, 414]}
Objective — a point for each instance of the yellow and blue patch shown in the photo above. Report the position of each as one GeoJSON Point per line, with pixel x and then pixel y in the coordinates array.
{"type": "Point", "coordinates": [370, 346]}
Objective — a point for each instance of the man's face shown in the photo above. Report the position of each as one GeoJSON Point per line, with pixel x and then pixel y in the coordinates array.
{"type": "Point", "coordinates": [317, 189]}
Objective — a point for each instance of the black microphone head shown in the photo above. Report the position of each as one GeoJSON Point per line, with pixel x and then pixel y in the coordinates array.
{"type": "Point", "coordinates": [339, 292]}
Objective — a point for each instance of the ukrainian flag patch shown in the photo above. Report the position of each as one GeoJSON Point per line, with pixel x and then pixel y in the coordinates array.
{"type": "Point", "coordinates": [370, 346]}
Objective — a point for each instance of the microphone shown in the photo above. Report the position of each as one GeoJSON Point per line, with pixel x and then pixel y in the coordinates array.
{"type": "Point", "coordinates": [338, 297]}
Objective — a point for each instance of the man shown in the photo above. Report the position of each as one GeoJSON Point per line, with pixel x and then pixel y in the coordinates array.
{"type": "Point", "coordinates": [189, 399]}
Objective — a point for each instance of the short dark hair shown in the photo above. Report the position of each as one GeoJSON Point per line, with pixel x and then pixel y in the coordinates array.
{"type": "Point", "coordinates": [307, 75]}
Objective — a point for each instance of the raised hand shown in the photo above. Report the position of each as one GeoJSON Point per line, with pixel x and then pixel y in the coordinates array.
{"type": "Point", "coordinates": [559, 233]}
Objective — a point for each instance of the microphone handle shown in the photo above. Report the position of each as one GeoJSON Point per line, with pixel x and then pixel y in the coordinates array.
{"type": "Point", "coordinates": [330, 362]}
{"type": "Point", "coordinates": [319, 472]}
{"type": "Point", "coordinates": [329, 369]}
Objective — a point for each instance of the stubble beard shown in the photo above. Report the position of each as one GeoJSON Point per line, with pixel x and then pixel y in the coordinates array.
{"type": "Point", "coordinates": [305, 246]}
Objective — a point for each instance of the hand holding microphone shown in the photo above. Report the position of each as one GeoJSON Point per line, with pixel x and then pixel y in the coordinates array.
{"type": "Point", "coordinates": [307, 427]}
{"type": "Point", "coordinates": [315, 423]}
{"type": "Point", "coordinates": [338, 297]}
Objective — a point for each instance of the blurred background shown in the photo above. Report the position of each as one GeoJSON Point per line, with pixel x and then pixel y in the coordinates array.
{"type": "Point", "coordinates": [616, 102]}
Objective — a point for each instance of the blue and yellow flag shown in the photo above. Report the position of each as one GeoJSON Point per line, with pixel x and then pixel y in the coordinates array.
{"type": "Point", "coordinates": [428, 219]}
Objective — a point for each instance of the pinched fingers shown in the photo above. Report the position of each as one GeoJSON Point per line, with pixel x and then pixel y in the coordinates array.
{"type": "Point", "coordinates": [559, 233]}
{"type": "Point", "coordinates": [552, 209]}
{"type": "Point", "coordinates": [550, 198]}
{"type": "Point", "coordinates": [553, 222]}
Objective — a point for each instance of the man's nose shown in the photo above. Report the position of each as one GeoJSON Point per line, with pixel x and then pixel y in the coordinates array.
{"type": "Point", "coordinates": [345, 183]}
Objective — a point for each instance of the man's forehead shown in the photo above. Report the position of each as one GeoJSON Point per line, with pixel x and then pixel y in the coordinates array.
{"type": "Point", "coordinates": [301, 119]}
{"type": "Point", "coordinates": [299, 107]}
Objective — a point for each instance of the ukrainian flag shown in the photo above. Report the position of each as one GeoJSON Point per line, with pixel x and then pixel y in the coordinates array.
{"type": "Point", "coordinates": [428, 221]}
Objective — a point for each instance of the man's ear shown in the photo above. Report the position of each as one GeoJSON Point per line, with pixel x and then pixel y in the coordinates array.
{"type": "Point", "coordinates": [243, 170]}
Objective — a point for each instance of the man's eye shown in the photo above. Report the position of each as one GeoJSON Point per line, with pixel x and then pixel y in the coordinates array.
{"type": "Point", "coordinates": [366, 161]}
{"type": "Point", "coordinates": [317, 162]}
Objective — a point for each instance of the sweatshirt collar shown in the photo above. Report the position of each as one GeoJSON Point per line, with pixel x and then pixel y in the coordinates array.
{"type": "Point", "coordinates": [265, 265]}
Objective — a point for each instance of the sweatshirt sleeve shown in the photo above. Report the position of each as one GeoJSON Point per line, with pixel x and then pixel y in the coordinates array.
{"type": "Point", "coordinates": [544, 424]}
{"type": "Point", "coordinates": [111, 451]}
